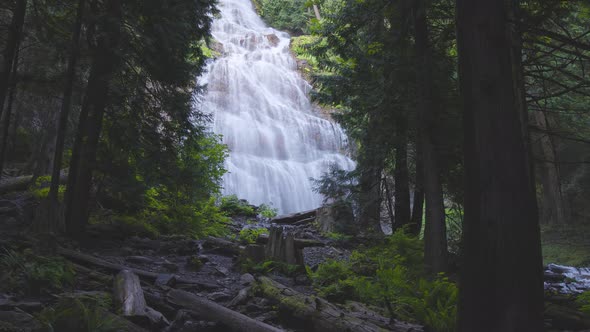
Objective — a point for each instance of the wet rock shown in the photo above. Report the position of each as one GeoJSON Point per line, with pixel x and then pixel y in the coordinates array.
{"type": "Point", "coordinates": [273, 39]}
{"type": "Point", "coordinates": [222, 271]}
{"type": "Point", "coordinates": [241, 298]}
{"type": "Point", "coordinates": [172, 267]}
{"type": "Point", "coordinates": [550, 276]}
{"type": "Point", "coordinates": [16, 320]}
{"type": "Point", "coordinates": [254, 252]}
{"type": "Point", "coordinates": [566, 318]}
{"type": "Point", "coordinates": [139, 260]}
{"type": "Point", "coordinates": [166, 280]}
{"type": "Point", "coordinates": [219, 297]}
{"type": "Point", "coordinates": [246, 279]}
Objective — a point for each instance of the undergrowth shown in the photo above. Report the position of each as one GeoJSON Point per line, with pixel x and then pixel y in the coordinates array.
{"type": "Point", "coordinates": [391, 275]}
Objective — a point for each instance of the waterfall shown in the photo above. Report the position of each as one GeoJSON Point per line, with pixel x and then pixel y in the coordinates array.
{"type": "Point", "coordinates": [260, 104]}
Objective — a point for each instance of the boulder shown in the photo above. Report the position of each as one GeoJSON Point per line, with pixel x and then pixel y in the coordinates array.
{"type": "Point", "coordinates": [337, 218]}
{"type": "Point", "coordinates": [273, 39]}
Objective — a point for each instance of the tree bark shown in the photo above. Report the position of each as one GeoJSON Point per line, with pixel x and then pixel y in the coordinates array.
{"type": "Point", "coordinates": [501, 231]}
{"type": "Point", "coordinates": [12, 45]}
{"type": "Point", "coordinates": [435, 235]}
{"type": "Point", "coordinates": [553, 207]}
{"type": "Point", "coordinates": [418, 206]}
{"type": "Point", "coordinates": [105, 61]}
{"type": "Point", "coordinates": [212, 311]}
{"type": "Point", "coordinates": [53, 218]}
{"type": "Point", "coordinates": [401, 174]}
{"type": "Point", "coordinates": [9, 70]}
{"type": "Point", "coordinates": [371, 165]}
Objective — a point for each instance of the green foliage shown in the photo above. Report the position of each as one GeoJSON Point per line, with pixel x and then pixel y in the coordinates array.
{"type": "Point", "coordinates": [583, 301]}
{"type": "Point", "coordinates": [390, 274]}
{"type": "Point", "coordinates": [84, 314]}
{"type": "Point", "coordinates": [290, 15]}
{"type": "Point", "coordinates": [249, 235]}
{"type": "Point", "coordinates": [135, 226]}
{"type": "Point", "coordinates": [337, 185]}
{"type": "Point", "coordinates": [339, 237]}
{"type": "Point", "coordinates": [566, 244]}
{"type": "Point", "coordinates": [267, 211]}
{"type": "Point", "coordinates": [270, 266]}
{"type": "Point", "coordinates": [35, 274]}
{"type": "Point", "coordinates": [233, 206]}
{"type": "Point", "coordinates": [40, 189]}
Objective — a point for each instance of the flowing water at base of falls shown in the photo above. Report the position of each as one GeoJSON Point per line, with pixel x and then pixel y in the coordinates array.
{"type": "Point", "coordinates": [277, 139]}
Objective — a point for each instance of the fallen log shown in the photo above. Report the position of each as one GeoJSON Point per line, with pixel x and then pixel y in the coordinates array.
{"type": "Point", "coordinates": [294, 217]}
{"type": "Point", "coordinates": [299, 243]}
{"type": "Point", "coordinates": [21, 183]}
{"type": "Point", "coordinates": [212, 311]}
{"type": "Point", "coordinates": [84, 258]}
{"type": "Point", "coordinates": [318, 314]}
{"type": "Point", "coordinates": [222, 246]}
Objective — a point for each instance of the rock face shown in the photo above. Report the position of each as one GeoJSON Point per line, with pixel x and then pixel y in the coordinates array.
{"type": "Point", "coordinates": [337, 218]}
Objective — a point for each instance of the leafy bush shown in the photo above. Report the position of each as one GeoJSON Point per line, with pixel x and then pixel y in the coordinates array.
{"type": "Point", "coordinates": [36, 274]}
{"type": "Point", "coordinates": [233, 206]}
{"type": "Point", "coordinates": [391, 273]}
{"type": "Point", "coordinates": [269, 266]}
{"type": "Point", "coordinates": [267, 211]}
{"type": "Point", "coordinates": [40, 189]}
{"type": "Point", "coordinates": [84, 314]}
{"type": "Point", "coordinates": [249, 235]}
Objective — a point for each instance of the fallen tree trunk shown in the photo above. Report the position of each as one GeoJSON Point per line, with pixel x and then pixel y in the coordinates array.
{"type": "Point", "coordinates": [223, 246]}
{"type": "Point", "coordinates": [212, 311]}
{"type": "Point", "coordinates": [83, 258]}
{"type": "Point", "coordinates": [294, 217]}
{"type": "Point", "coordinates": [21, 183]}
{"type": "Point", "coordinates": [318, 314]}
{"type": "Point", "coordinates": [299, 243]}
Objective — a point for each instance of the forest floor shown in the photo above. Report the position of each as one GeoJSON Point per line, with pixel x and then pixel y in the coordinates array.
{"type": "Point", "coordinates": [566, 244]}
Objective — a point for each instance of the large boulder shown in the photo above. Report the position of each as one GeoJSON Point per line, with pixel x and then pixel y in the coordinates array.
{"type": "Point", "coordinates": [336, 218]}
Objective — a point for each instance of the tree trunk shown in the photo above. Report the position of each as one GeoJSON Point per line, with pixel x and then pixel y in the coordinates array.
{"type": "Point", "coordinates": [105, 61]}
{"type": "Point", "coordinates": [401, 174]}
{"type": "Point", "coordinates": [500, 231]}
{"type": "Point", "coordinates": [371, 165]}
{"type": "Point", "coordinates": [435, 235]}
{"type": "Point", "coordinates": [418, 206]}
{"type": "Point", "coordinates": [12, 45]}
{"type": "Point", "coordinates": [53, 218]}
{"type": "Point", "coordinates": [553, 208]}
{"type": "Point", "coordinates": [9, 70]}
{"type": "Point", "coordinates": [212, 311]}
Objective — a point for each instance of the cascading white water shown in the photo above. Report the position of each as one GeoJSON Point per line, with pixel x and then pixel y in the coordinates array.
{"type": "Point", "coordinates": [261, 107]}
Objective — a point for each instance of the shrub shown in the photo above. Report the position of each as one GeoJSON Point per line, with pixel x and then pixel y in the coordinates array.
{"type": "Point", "coordinates": [391, 273]}
{"type": "Point", "coordinates": [233, 206]}
{"type": "Point", "coordinates": [269, 266]}
{"type": "Point", "coordinates": [249, 235]}
{"type": "Point", "coordinates": [36, 274]}
{"type": "Point", "coordinates": [84, 314]}
{"type": "Point", "coordinates": [267, 211]}
{"type": "Point", "coordinates": [583, 301]}
{"type": "Point", "coordinates": [288, 15]}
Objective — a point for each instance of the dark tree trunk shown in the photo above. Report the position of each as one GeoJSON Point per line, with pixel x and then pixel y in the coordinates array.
{"type": "Point", "coordinates": [418, 206]}
{"type": "Point", "coordinates": [435, 235]}
{"type": "Point", "coordinates": [553, 207]}
{"type": "Point", "coordinates": [371, 165]}
{"type": "Point", "coordinates": [12, 45]}
{"type": "Point", "coordinates": [501, 230]}
{"type": "Point", "coordinates": [401, 174]}
{"type": "Point", "coordinates": [9, 70]}
{"type": "Point", "coordinates": [104, 63]}
{"type": "Point", "coordinates": [63, 119]}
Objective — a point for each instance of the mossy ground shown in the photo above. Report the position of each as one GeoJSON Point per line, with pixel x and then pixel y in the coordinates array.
{"type": "Point", "coordinates": [566, 244]}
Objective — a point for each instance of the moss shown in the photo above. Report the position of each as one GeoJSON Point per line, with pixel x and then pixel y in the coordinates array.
{"type": "Point", "coordinates": [566, 244]}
